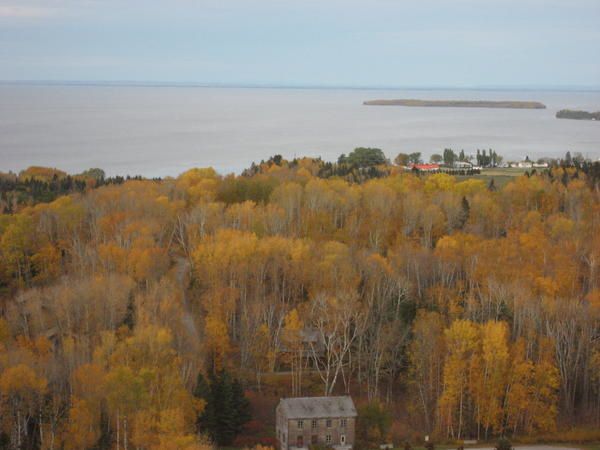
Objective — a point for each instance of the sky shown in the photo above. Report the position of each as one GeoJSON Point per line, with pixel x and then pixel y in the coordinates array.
{"type": "Point", "coordinates": [386, 43]}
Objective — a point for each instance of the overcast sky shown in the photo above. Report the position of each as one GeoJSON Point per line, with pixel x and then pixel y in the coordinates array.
{"type": "Point", "coordinates": [304, 42]}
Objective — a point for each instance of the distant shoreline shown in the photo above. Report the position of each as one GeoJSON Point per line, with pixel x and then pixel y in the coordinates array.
{"type": "Point", "coordinates": [299, 86]}
{"type": "Point", "coordinates": [457, 103]}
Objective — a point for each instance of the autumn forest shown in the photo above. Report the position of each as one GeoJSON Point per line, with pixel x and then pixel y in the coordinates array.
{"type": "Point", "coordinates": [462, 309]}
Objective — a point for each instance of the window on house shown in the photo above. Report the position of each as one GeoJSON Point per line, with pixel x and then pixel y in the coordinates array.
{"type": "Point", "coordinates": [328, 423]}
{"type": "Point", "coordinates": [314, 439]}
{"type": "Point", "coordinates": [300, 424]}
{"type": "Point", "coordinates": [343, 439]}
{"type": "Point", "coordinates": [343, 423]}
{"type": "Point", "coordinates": [300, 441]}
{"type": "Point", "coordinates": [283, 437]}
{"type": "Point", "coordinates": [328, 439]}
{"type": "Point", "coordinates": [314, 424]}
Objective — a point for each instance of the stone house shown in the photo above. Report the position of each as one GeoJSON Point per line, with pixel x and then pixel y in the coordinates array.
{"type": "Point", "coordinates": [322, 421]}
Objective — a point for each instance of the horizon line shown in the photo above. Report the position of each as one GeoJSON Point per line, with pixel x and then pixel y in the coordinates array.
{"type": "Point", "coordinates": [265, 85]}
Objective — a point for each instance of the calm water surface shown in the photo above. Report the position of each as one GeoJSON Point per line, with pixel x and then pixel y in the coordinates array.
{"type": "Point", "coordinates": [159, 131]}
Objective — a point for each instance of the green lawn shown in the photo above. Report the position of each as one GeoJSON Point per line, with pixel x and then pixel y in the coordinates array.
{"type": "Point", "coordinates": [492, 444]}
{"type": "Point", "coordinates": [501, 176]}
{"type": "Point", "coordinates": [507, 172]}
{"type": "Point", "coordinates": [595, 446]}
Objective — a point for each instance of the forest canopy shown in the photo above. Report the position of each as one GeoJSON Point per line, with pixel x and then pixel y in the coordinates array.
{"type": "Point", "coordinates": [474, 311]}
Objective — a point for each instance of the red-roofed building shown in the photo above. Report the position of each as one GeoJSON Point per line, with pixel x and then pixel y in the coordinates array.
{"type": "Point", "coordinates": [425, 167]}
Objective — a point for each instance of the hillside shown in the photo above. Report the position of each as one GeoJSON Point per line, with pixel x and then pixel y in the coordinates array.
{"type": "Point", "coordinates": [153, 305]}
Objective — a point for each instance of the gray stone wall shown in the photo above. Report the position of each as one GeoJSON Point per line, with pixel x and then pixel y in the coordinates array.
{"type": "Point", "coordinates": [321, 431]}
{"type": "Point", "coordinates": [281, 429]}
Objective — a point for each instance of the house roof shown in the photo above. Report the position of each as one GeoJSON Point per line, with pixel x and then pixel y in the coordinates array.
{"type": "Point", "coordinates": [425, 166]}
{"type": "Point", "coordinates": [309, 335]}
{"type": "Point", "coordinates": [317, 407]}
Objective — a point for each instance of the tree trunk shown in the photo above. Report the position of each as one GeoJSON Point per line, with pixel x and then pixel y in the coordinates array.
{"type": "Point", "coordinates": [125, 433]}
{"type": "Point", "coordinates": [118, 430]}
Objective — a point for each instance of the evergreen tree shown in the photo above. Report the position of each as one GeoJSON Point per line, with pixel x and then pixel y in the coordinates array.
{"type": "Point", "coordinates": [241, 406]}
{"type": "Point", "coordinates": [223, 407]}
{"type": "Point", "coordinates": [449, 156]}
{"type": "Point", "coordinates": [4, 441]}
{"type": "Point", "coordinates": [205, 421]}
{"type": "Point", "coordinates": [465, 211]}
{"type": "Point", "coordinates": [226, 410]}
{"type": "Point", "coordinates": [129, 320]}
{"type": "Point", "coordinates": [568, 159]}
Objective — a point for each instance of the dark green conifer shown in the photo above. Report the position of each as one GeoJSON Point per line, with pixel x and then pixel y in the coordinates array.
{"type": "Point", "coordinates": [226, 410]}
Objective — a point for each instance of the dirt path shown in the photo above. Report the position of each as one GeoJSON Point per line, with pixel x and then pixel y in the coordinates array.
{"type": "Point", "coordinates": [182, 271]}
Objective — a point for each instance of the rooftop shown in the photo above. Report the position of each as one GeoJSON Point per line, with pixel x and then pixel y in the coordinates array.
{"type": "Point", "coordinates": [317, 407]}
{"type": "Point", "coordinates": [425, 166]}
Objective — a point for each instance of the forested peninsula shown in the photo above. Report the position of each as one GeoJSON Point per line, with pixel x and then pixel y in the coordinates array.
{"type": "Point", "coordinates": [457, 103]}
{"type": "Point", "coordinates": [577, 115]}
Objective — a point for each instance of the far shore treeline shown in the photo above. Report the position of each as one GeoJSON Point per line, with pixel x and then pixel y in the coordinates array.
{"type": "Point", "coordinates": [174, 313]}
{"type": "Point", "coordinates": [577, 115]}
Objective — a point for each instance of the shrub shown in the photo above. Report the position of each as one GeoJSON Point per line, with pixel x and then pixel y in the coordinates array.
{"type": "Point", "coordinates": [373, 425]}
{"type": "Point", "coordinates": [254, 442]}
{"type": "Point", "coordinates": [263, 447]}
{"type": "Point", "coordinates": [504, 444]}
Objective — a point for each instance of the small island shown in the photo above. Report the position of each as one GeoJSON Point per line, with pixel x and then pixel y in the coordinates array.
{"type": "Point", "coordinates": [458, 103]}
{"type": "Point", "coordinates": [577, 115]}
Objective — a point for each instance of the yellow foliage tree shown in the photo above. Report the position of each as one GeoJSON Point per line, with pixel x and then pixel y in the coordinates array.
{"type": "Point", "coordinates": [462, 340]}
{"type": "Point", "coordinates": [21, 394]}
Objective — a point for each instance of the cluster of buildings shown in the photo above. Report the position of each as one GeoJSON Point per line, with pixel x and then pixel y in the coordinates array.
{"type": "Point", "coordinates": [457, 166]}
{"type": "Point", "coordinates": [527, 165]}
{"type": "Point", "coordinates": [462, 166]}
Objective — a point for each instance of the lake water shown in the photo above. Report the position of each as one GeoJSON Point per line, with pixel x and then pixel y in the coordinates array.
{"type": "Point", "coordinates": [159, 131]}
